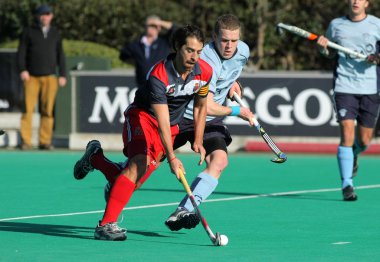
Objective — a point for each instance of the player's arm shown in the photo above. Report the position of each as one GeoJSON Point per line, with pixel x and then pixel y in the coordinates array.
{"type": "Point", "coordinates": [200, 113]}
{"type": "Point", "coordinates": [322, 42]}
{"type": "Point", "coordinates": [215, 109]}
{"type": "Point", "coordinates": [161, 112]}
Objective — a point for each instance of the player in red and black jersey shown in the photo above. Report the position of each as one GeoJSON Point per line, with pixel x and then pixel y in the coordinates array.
{"type": "Point", "coordinates": [151, 124]}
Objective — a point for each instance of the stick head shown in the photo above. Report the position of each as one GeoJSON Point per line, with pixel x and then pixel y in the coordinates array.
{"type": "Point", "coordinates": [220, 240]}
{"type": "Point", "coordinates": [280, 159]}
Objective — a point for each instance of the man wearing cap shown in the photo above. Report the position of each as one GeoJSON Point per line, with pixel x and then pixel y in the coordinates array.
{"type": "Point", "coordinates": [40, 54]}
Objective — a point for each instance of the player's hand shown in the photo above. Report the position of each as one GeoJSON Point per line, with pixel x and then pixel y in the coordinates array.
{"type": "Point", "coordinates": [236, 87]}
{"type": "Point", "coordinates": [198, 148]}
{"type": "Point", "coordinates": [247, 115]}
{"type": "Point", "coordinates": [322, 41]}
{"type": "Point", "coordinates": [175, 165]}
{"type": "Point", "coordinates": [322, 45]}
{"type": "Point", "coordinates": [373, 59]}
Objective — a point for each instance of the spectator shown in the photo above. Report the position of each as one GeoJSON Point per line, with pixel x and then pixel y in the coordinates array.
{"type": "Point", "coordinates": [150, 48]}
{"type": "Point", "coordinates": [40, 53]}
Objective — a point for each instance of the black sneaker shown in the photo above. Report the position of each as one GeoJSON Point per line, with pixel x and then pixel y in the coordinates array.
{"type": "Point", "coordinates": [83, 165]}
{"type": "Point", "coordinates": [182, 218]}
{"type": "Point", "coordinates": [111, 232]}
{"type": "Point", "coordinates": [349, 194]}
{"type": "Point", "coordinates": [355, 167]}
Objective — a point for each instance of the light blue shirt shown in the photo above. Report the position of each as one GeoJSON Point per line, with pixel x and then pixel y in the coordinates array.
{"type": "Point", "coordinates": [354, 75]}
{"type": "Point", "coordinates": [225, 72]}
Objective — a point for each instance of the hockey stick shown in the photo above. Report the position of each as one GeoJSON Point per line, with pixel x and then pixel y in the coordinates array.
{"type": "Point", "coordinates": [281, 157]}
{"type": "Point", "coordinates": [305, 34]}
{"type": "Point", "coordinates": [217, 239]}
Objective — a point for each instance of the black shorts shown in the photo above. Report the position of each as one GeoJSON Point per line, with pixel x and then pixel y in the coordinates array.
{"type": "Point", "coordinates": [216, 135]}
{"type": "Point", "coordinates": [363, 108]}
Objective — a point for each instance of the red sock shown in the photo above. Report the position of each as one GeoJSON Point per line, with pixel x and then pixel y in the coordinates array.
{"type": "Point", "coordinates": [147, 174]}
{"type": "Point", "coordinates": [109, 169]}
{"type": "Point", "coordinates": [121, 192]}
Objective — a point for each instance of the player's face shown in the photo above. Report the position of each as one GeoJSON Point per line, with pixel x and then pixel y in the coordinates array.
{"type": "Point", "coordinates": [357, 7]}
{"type": "Point", "coordinates": [45, 19]}
{"type": "Point", "coordinates": [190, 52]}
{"type": "Point", "coordinates": [226, 42]}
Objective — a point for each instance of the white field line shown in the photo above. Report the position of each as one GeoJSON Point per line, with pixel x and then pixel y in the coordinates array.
{"type": "Point", "coordinates": [211, 200]}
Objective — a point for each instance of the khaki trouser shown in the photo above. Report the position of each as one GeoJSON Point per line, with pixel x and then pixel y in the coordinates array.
{"type": "Point", "coordinates": [45, 89]}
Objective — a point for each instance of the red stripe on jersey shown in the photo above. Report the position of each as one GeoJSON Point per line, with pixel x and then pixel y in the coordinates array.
{"type": "Point", "coordinates": [159, 72]}
{"type": "Point", "coordinates": [206, 70]}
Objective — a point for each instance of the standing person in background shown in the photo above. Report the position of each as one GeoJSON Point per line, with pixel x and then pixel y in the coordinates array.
{"type": "Point", "coordinates": [150, 48]}
{"type": "Point", "coordinates": [227, 55]}
{"type": "Point", "coordinates": [356, 86]}
{"type": "Point", "coordinates": [40, 52]}
{"type": "Point", "coordinates": [151, 124]}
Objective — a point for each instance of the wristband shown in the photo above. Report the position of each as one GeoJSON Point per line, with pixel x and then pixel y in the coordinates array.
{"type": "Point", "coordinates": [170, 160]}
{"type": "Point", "coordinates": [235, 110]}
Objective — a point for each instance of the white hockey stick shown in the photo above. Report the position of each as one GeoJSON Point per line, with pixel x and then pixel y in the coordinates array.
{"type": "Point", "coordinates": [305, 34]}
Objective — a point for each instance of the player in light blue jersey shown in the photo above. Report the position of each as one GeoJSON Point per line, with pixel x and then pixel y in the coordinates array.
{"type": "Point", "coordinates": [356, 86]}
{"type": "Point", "coordinates": [227, 56]}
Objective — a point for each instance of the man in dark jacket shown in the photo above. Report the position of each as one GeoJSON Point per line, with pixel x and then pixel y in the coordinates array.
{"type": "Point", "coordinates": [40, 52]}
{"type": "Point", "coordinates": [150, 48]}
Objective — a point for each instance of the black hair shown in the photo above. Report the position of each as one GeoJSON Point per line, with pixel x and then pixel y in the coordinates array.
{"type": "Point", "coordinates": [181, 34]}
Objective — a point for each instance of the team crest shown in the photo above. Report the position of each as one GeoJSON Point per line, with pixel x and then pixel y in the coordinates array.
{"type": "Point", "coordinates": [170, 89]}
{"type": "Point", "coordinates": [342, 112]}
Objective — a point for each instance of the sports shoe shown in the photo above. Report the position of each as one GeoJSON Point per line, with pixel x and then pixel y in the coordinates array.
{"type": "Point", "coordinates": [83, 165]}
{"type": "Point", "coordinates": [110, 231]}
{"type": "Point", "coordinates": [107, 191]}
{"type": "Point", "coordinates": [355, 168]}
{"type": "Point", "coordinates": [182, 218]}
{"type": "Point", "coordinates": [349, 194]}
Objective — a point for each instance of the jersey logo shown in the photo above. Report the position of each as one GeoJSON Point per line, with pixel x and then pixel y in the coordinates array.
{"type": "Point", "coordinates": [170, 89]}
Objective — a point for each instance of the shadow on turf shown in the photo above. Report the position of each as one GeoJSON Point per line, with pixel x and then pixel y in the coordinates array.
{"type": "Point", "coordinates": [46, 229]}
{"type": "Point", "coordinates": [64, 231]}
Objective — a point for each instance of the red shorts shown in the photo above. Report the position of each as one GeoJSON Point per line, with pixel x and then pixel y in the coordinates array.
{"type": "Point", "coordinates": [141, 136]}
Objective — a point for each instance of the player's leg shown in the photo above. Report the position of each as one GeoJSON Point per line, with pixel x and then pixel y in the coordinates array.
{"type": "Point", "coordinates": [345, 158]}
{"type": "Point", "coordinates": [142, 146]}
{"type": "Point", "coordinates": [93, 158]}
{"type": "Point", "coordinates": [206, 182]}
{"type": "Point", "coordinates": [368, 113]}
{"type": "Point", "coordinates": [120, 194]}
{"type": "Point", "coordinates": [347, 108]}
